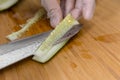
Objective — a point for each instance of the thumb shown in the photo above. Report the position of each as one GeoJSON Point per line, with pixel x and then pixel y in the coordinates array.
{"type": "Point", "coordinates": [53, 10]}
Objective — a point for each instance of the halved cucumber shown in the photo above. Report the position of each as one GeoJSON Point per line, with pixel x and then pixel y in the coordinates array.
{"type": "Point", "coordinates": [49, 46]}
{"type": "Point", "coordinates": [5, 4]}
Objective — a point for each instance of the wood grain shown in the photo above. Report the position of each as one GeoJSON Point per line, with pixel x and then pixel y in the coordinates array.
{"type": "Point", "coordinates": [93, 54]}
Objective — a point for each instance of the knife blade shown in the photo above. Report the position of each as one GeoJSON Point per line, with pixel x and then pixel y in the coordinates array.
{"type": "Point", "coordinates": [17, 50]}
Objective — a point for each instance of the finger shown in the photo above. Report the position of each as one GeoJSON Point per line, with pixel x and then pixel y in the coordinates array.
{"type": "Point", "coordinates": [69, 5]}
{"type": "Point", "coordinates": [76, 12]}
{"type": "Point", "coordinates": [54, 11]}
{"type": "Point", "coordinates": [62, 5]}
{"type": "Point", "coordinates": [88, 9]}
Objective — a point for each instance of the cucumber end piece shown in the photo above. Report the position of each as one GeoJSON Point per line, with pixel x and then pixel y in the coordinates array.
{"type": "Point", "coordinates": [7, 4]}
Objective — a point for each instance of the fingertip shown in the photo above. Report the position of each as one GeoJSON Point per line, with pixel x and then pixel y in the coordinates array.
{"type": "Point", "coordinates": [76, 13]}
{"type": "Point", "coordinates": [88, 9]}
{"type": "Point", "coordinates": [53, 11]}
{"type": "Point", "coordinates": [87, 15]}
{"type": "Point", "coordinates": [54, 21]}
{"type": "Point", "coordinates": [55, 16]}
{"type": "Point", "coordinates": [69, 6]}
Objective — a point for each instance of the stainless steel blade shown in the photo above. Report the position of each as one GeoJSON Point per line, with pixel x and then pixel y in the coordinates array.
{"type": "Point", "coordinates": [15, 51]}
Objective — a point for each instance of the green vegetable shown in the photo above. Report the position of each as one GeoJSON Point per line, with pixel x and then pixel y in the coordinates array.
{"type": "Point", "coordinates": [25, 27]}
{"type": "Point", "coordinates": [5, 4]}
{"type": "Point", "coordinates": [48, 55]}
{"type": "Point", "coordinates": [48, 47]}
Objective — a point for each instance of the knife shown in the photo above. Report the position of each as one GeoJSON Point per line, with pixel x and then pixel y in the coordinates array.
{"type": "Point", "coordinates": [20, 49]}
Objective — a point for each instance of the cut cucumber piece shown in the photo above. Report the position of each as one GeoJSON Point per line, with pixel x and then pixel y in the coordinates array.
{"type": "Point", "coordinates": [48, 55]}
{"type": "Point", "coordinates": [5, 4]}
{"type": "Point", "coordinates": [25, 27]}
{"type": "Point", "coordinates": [48, 47]}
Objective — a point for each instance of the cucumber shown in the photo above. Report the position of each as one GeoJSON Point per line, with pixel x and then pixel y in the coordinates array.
{"type": "Point", "coordinates": [48, 48]}
{"type": "Point", "coordinates": [5, 4]}
{"type": "Point", "coordinates": [48, 55]}
{"type": "Point", "coordinates": [25, 27]}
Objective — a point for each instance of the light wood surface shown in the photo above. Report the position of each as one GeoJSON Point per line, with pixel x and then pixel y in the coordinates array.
{"type": "Point", "coordinates": [93, 54]}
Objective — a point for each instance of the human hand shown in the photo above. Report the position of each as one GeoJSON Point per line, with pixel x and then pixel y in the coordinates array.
{"type": "Point", "coordinates": [77, 8]}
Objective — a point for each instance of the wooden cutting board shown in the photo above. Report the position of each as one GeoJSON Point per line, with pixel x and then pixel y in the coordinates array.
{"type": "Point", "coordinates": [93, 54]}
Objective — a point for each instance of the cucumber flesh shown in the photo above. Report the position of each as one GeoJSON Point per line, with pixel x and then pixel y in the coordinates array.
{"type": "Point", "coordinates": [50, 53]}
